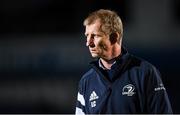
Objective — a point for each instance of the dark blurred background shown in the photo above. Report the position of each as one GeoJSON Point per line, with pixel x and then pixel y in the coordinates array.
{"type": "Point", "coordinates": [43, 53]}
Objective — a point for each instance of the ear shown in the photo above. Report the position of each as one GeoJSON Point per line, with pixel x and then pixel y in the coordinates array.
{"type": "Point", "coordinates": [114, 37]}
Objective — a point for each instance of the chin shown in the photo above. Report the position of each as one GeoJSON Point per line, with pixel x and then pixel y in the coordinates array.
{"type": "Point", "coordinates": [94, 55]}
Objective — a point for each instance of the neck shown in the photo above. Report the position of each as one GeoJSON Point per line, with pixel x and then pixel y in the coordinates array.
{"type": "Point", "coordinates": [107, 63]}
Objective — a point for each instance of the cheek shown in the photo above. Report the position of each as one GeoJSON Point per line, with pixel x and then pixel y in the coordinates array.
{"type": "Point", "coordinates": [102, 45]}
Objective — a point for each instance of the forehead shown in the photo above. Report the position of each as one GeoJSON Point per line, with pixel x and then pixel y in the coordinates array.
{"type": "Point", "coordinates": [93, 27]}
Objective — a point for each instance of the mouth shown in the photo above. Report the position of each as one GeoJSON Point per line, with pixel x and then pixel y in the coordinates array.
{"type": "Point", "coordinates": [92, 50]}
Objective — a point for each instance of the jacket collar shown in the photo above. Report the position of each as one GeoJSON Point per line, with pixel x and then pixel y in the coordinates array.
{"type": "Point", "coordinates": [119, 66]}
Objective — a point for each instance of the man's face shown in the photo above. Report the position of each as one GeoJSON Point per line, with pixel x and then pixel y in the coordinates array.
{"type": "Point", "coordinates": [97, 41]}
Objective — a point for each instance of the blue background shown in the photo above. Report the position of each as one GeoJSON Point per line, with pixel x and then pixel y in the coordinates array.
{"type": "Point", "coordinates": [43, 53]}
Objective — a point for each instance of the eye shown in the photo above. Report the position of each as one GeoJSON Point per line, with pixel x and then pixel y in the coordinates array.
{"type": "Point", "coordinates": [95, 35]}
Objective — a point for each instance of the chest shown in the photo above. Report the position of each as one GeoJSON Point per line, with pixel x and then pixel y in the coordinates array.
{"type": "Point", "coordinates": [122, 96]}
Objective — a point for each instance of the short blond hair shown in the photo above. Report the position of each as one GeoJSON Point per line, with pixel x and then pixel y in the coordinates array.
{"type": "Point", "coordinates": [110, 21]}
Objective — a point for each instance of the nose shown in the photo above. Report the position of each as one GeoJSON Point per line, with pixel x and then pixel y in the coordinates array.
{"type": "Point", "coordinates": [90, 42]}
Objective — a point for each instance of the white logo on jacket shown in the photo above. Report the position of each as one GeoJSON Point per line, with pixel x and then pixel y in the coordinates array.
{"type": "Point", "coordinates": [128, 90]}
{"type": "Point", "coordinates": [93, 97]}
{"type": "Point", "coordinates": [160, 87]}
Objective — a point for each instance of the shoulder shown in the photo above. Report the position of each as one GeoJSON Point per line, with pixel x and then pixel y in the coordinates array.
{"type": "Point", "coordinates": [88, 75]}
{"type": "Point", "coordinates": [147, 75]}
{"type": "Point", "coordinates": [142, 63]}
{"type": "Point", "coordinates": [146, 70]}
{"type": "Point", "coordinates": [143, 68]}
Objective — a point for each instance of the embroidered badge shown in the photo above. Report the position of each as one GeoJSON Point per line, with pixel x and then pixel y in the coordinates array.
{"type": "Point", "coordinates": [128, 90]}
{"type": "Point", "coordinates": [93, 97]}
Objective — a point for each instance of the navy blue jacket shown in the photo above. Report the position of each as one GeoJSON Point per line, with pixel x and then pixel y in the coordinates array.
{"type": "Point", "coordinates": [135, 86]}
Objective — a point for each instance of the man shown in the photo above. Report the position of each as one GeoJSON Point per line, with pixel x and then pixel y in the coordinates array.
{"type": "Point", "coordinates": [118, 82]}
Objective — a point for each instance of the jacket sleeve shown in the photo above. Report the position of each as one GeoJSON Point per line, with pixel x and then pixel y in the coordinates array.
{"type": "Point", "coordinates": [80, 103]}
{"type": "Point", "coordinates": [156, 96]}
